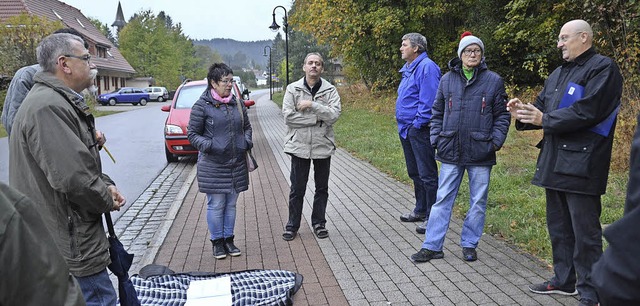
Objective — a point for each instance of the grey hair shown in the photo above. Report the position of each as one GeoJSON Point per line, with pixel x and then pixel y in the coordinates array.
{"type": "Point", "coordinates": [316, 54]}
{"type": "Point", "coordinates": [416, 39]}
{"type": "Point", "coordinates": [53, 46]}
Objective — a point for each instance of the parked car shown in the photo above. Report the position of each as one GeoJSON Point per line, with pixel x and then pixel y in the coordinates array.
{"type": "Point", "coordinates": [124, 95]}
{"type": "Point", "coordinates": [175, 128]}
{"type": "Point", "coordinates": [159, 94]}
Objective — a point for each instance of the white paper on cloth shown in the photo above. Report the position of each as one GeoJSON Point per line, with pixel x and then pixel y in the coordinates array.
{"type": "Point", "coordinates": [215, 291]}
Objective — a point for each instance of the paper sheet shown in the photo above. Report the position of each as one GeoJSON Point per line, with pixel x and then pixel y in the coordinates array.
{"type": "Point", "coordinates": [210, 292]}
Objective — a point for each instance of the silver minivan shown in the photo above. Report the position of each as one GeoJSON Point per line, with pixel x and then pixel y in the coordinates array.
{"type": "Point", "coordinates": [159, 94]}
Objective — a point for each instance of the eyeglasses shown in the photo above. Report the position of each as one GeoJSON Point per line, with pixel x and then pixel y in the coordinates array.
{"type": "Point", "coordinates": [86, 57]}
{"type": "Point", "coordinates": [226, 82]}
{"type": "Point", "coordinates": [565, 38]}
{"type": "Point", "coordinates": [474, 51]}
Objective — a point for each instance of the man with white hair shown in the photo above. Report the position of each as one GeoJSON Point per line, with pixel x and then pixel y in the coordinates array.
{"type": "Point", "coordinates": [418, 86]}
{"type": "Point", "coordinates": [54, 160]}
{"type": "Point", "coordinates": [576, 109]}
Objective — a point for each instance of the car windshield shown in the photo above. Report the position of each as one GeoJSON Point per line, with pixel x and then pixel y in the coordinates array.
{"type": "Point", "coordinates": [189, 95]}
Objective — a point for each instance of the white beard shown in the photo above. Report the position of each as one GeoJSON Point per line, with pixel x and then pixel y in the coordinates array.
{"type": "Point", "coordinates": [93, 89]}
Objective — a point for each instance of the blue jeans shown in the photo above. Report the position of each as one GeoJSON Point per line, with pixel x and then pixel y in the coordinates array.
{"type": "Point", "coordinates": [450, 178]}
{"type": "Point", "coordinates": [221, 214]}
{"type": "Point", "coordinates": [299, 177]}
{"type": "Point", "coordinates": [419, 156]}
{"type": "Point", "coordinates": [573, 221]}
{"type": "Point", "coordinates": [97, 289]}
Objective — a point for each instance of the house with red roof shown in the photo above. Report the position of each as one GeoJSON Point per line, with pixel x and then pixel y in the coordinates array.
{"type": "Point", "coordinates": [113, 69]}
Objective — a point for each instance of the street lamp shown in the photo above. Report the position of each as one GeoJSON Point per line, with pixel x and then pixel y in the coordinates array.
{"type": "Point", "coordinates": [275, 27]}
{"type": "Point", "coordinates": [270, 76]}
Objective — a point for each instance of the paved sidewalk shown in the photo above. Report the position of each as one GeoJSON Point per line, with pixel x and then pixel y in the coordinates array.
{"type": "Point", "coordinates": [365, 260]}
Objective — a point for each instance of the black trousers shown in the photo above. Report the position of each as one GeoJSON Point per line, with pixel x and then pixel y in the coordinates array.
{"type": "Point", "coordinates": [574, 227]}
{"type": "Point", "coordinates": [299, 177]}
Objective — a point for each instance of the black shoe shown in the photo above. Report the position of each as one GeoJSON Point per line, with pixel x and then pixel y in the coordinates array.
{"type": "Point", "coordinates": [425, 255]}
{"type": "Point", "coordinates": [469, 254]}
{"type": "Point", "coordinates": [422, 228]}
{"type": "Point", "coordinates": [548, 288]}
{"type": "Point", "coordinates": [230, 248]}
{"type": "Point", "coordinates": [587, 302]}
{"type": "Point", "coordinates": [218, 249]}
{"type": "Point", "coordinates": [411, 217]}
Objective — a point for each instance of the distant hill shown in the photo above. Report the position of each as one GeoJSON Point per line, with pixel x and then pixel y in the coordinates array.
{"type": "Point", "coordinates": [229, 48]}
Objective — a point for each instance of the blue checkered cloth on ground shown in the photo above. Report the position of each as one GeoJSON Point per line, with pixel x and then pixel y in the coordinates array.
{"type": "Point", "coordinates": [252, 287]}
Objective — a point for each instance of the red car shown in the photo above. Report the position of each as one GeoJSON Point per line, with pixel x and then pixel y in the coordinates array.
{"type": "Point", "coordinates": [175, 128]}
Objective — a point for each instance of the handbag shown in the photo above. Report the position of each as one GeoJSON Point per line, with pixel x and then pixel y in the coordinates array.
{"type": "Point", "coordinates": [251, 162]}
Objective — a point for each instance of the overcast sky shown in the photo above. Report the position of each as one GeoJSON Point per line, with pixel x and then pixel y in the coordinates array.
{"type": "Point", "coordinates": [242, 20]}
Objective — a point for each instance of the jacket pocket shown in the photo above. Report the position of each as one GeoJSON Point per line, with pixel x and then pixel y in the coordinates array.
{"type": "Point", "coordinates": [446, 145]}
{"type": "Point", "coordinates": [481, 146]}
{"type": "Point", "coordinates": [573, 159]}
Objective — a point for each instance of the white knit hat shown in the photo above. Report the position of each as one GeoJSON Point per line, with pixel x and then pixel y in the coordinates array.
{"type": "Point", "coordinates": [467, 39]}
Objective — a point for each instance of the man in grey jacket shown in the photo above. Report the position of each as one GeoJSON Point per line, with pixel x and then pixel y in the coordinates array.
{"type": "Point", "coordinates": [311, 106]}
{"type": "Point", "coordinates": [54, 160]}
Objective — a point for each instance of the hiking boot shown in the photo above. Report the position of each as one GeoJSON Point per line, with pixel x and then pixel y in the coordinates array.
{"type": "Point", "coordinates": [230, 248]}
{"type": "Point", "coordinates": [218, 249]}
{"type": "Point", "coordinates": [411, 217]}
{"type": "Point", "coordinates": [469, 254]}
{"type": "Point", "coordinates": [425, 255]}
{"type": "Point", "coordinates": [548, 288]}
{"type": "Point", "coordinates": [422, 228]}
{"type": "Point", "coordinates": [587, 302]}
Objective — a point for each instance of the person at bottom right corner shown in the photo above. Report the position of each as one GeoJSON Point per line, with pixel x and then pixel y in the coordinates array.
{"type": "Point", "coordinates": [575, 153]}
{"type": "Point", "coordinates": [616, 275]}
{"type": "Point", "coordinates": [469, 124]}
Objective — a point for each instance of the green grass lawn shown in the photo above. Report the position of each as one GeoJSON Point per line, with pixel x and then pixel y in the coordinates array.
{"type": "Point", "coordinates": [515, 209]}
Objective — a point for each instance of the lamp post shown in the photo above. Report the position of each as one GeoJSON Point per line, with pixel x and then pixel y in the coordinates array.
{"type": "Point", "coordinates": [264, 51]}
{"type": "Point", "coordinates": [275, 27]}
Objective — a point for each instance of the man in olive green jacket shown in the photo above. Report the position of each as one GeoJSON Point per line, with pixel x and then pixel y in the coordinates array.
{"type": "Point", "coordinates": [34, 272]}
{"type": "Point", "coordinates": [54, 160]}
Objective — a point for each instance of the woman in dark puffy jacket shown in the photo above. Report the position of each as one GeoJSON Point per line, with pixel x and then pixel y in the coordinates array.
{"type": "Point", "coordinates": [469, 124]}
{"type": "Point", "coordinates": [222, 134]}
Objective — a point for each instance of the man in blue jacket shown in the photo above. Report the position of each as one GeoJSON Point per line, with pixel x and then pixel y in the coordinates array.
{"type": "Point", "coordinates": [420, 78]}
{"type": "Point", "coordinates": [573, 165]}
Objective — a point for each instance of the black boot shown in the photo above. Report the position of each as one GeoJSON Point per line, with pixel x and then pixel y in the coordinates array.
{"type": "Point", "coordinates": [230, 247]}
{"type": "Point", "coordinates": [219, 249]}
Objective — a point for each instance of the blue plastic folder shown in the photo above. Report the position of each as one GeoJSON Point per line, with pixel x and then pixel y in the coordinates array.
{"type": "Point", "coordinates": [574, 93]}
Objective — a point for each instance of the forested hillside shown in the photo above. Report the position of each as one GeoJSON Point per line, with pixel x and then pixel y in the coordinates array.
{"type": "Point", "coordinates": [239, 53]}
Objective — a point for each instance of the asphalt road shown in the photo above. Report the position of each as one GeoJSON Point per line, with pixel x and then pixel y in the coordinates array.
{"type": "Point", "coordinates": [134, 138]}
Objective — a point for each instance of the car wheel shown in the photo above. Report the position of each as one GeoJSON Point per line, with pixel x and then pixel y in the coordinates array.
{"type": "Point", "coordinates": [134, 103]}
{"type": "Point", "coordinates": [171, 158]}
{"type": "Point", "coordinates": [112, 101]}
{"type": "Point", "coordinates": [160, 99]}
{"type": "Point", "coordinates": [143, 102]}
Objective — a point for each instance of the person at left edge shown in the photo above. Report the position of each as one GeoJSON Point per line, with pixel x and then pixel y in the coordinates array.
{"type": "Point", "coordinates": [54, 160]}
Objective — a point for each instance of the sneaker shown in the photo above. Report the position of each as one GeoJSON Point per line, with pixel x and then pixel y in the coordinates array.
{"type": "Point", "coordinates": [548, 288]}
{"type": "Point", "coordinates": [469, 254]}
{"type": "Point", "coordinates": [425, 255]}
{"type": "Point", "coordinates": [587, 302]}
{"type": "Point", "coordinates": [422, 228]}
{"type": "Point", "coordinates": [411, 217]}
